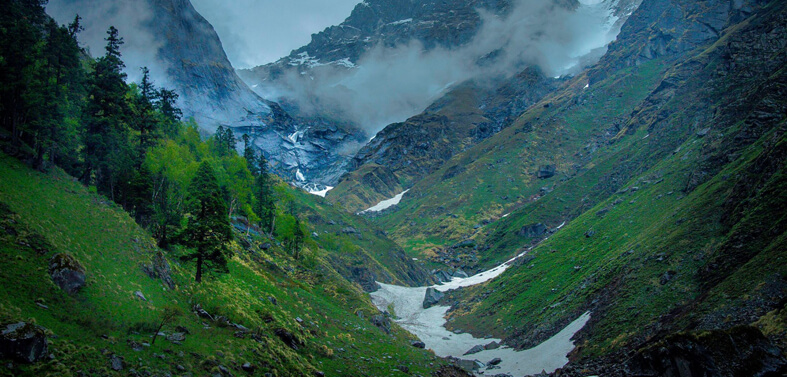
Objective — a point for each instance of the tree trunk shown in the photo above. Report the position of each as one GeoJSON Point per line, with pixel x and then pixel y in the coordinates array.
{"type": "Point", "coordinates": [199, 267]}
{"type": "Point", "coordinates": [157, 331]}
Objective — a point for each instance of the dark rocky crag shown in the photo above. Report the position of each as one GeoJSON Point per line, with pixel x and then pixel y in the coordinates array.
{"type": "Point", "coordinates": [403, 153]}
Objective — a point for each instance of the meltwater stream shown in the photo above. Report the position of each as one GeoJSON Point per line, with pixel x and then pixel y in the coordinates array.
{"type": "Point", "coordinates": [429, 326]}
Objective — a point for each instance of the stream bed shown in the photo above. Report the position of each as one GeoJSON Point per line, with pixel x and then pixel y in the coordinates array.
{"type": "Point", "coordinates": [429, 326]}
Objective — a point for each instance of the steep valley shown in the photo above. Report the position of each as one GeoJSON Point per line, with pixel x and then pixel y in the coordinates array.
{"type": "Point", "coordinates": [602, 198]}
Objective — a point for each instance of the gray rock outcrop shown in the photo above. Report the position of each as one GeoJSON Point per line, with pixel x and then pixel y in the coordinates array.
{"type": "Point", "coordinates": [67, 273]}
{"type": "Point", "coordinates": [432, 297]}
{"type": "Point", "coordinates": [24, 342]}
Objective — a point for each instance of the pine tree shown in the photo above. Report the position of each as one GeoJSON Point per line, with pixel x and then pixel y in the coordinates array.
{"type": "Point", "coordinates": [171, 114]}
{"type": "Point", "coordinates": [297, 239]}
{"type": "Point", "coordinates": [250, 156]}
{"type": "Point", "coordinates": [106, 136]}
{"type": "Point", "coordinates": [208, 229]}
{"type": "Point", "coordinates": [20, 52]}
{"type": "Point", "coordinates": [264, 205]}
{"type": "Point", "coordinates": [166, 216]}
{"type": "Point", "coordinates": [147, 119]}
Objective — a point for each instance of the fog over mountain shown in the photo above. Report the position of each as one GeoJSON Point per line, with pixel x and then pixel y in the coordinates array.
{"type": "Point", "coordinates": [140, 47]}
{"type": "Point", "coordinates": [256, 32]}
{"type": "Point", "coordinates": [390, 83]}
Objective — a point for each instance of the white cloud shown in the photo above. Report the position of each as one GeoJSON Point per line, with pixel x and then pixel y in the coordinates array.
{"type": "Point", "coordinates": [392, 84]}
{"type": "Point", "coordinates": [256, 32]}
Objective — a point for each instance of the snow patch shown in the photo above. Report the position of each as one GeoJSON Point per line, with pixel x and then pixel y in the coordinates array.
{"type": "Point", "coordinates": [303, 58]}
{"type": "Point", "coordinates": [385, 204]}
{"type": "Point", "coordinates": [344, 63]}
{"type": "Point", "coordinates": [299, 176]}
{"type": "Point", "coordinates": [322, 192]}
{"type": "Point", "coordinates": [400, 22]}
{"type": "Point", "coordinates": [429, 326]}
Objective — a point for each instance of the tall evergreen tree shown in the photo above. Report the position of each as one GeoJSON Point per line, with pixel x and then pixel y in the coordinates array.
{"type": "Point", "coordinates": [106, 136]}
{"type": "Point", "coordinates": [250, 155]}
{"type": "Point", "coordinates": [56, 85]}
{"type": "Point", "coordinates": [166, 215]}
{"type": "Point", "coordinates": [298, 237]}
{"type": "Point", "coordinates": [264, 205]}
{"type": "Point", "coordinates": [20, 46]}
{"type": "Point", "coordinates": [147, 118]}
{"type": "Point", "coordinates": [171, 114]}
{"type": "Point", "coordinates": [208, 229]}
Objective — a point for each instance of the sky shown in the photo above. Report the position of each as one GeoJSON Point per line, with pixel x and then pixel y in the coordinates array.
{"type": "Point", "coordinates": [256, 32]}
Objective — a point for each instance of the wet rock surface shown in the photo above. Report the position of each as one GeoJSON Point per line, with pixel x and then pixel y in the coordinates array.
{"type": "Point", "coordinates": [432, 297]}
{"type": "Point", "coordinates": [23, 342]}
{"type": "Point", "coordinates": [67, 273]}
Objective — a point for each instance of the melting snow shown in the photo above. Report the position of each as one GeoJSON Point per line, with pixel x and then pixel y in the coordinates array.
{"type": "Point", "coordinates": [429, 326]}
{"type": "Point", "coordinates": [345, 63]}
{"type": "Point", "coordinates": [321, 192]}
{"type": "Point", "coordinates": [406, 20]}
{"type": "Point", "coordinates": [385, 204]}
{"type": "Point", "coordinates": [304, 59]}
{"type": "Point", "coordinates": [299, 176]}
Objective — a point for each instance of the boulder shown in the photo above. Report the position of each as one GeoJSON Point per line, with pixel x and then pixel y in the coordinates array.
{"type": "Point", "coordinates": [441, 276]}
{"type": "Point", "coordinates": [201, 312]}
{"type": "Point", "coordinates": [176, 337]}
{"type": "Point", "coordinates": [382, 322]}
{"type": "Point", "coordinates": [182, 329]}
{"type": "Point", "coordinates": [248, 368]}
{"type": "Point", "coordinates": [475, 349]}
{"type": "Point", "coordinates": [418, 344]}
{"type": "Point", "coordinates": [140, 296]}
{"type": "Point", "coordinates": [469, 365]}
{"type": "Point", "coordinates": [67, 273]}
{"type": "Point", "coordinates": [494, 361]}
{"type": "Point", "coordinates": [159, 268]}
{"type": "Point", "coordinates": [460, 274]}
{"type": "Point", "coordinates": [116, 362]}
{"type": "Point", "coordinates": [432, 297]}
{"type": "Point", "coordinates": [492, 346]}
{"type": "Point", "coordinates": [546, 171]}
{"type": "Point", "coordinates": [349, 230]}
{"type": "Point", "coordinates": [23, 342]}
{"type": "Point", "coordinates": [532, 230]}
{"type": "Point", "coordinates": [288, 338]}
{"type": "Point", "coordinates": [667, 277]}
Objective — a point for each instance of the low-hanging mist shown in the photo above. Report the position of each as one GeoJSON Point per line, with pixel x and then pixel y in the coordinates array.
{"type": "Point", "coordinates": [389, 85]}
{"type": "Point", "coordinates": [131, 18]}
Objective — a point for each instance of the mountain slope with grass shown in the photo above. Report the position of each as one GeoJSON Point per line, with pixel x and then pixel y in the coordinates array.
{"type": "Point", "coordinates": [270, 314]}
{"type": "Point", "coordinates": [648, 192]}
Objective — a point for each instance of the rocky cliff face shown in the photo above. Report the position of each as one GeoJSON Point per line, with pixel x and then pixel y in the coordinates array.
{"type": "Point", "coordinates": [403, 153]}
{"type": "Point", "coordinates": [184, 53]}
{"type": "Point", "coordinates": [387, 23]}
{"type": "Point", "coordinates": [198, 68]}
{"type": "Point", "coordinates": [181, 49]}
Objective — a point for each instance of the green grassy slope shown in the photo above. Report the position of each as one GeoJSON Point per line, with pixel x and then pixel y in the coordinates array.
{"type": "Point", "coordinates": [695, 237]}
{"type": "Point", "coordinates": [568, 130]}
{"type": "Point", "coordinates": [403, 153]}
{"type": "Point", "coordinates": [44, 214]}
